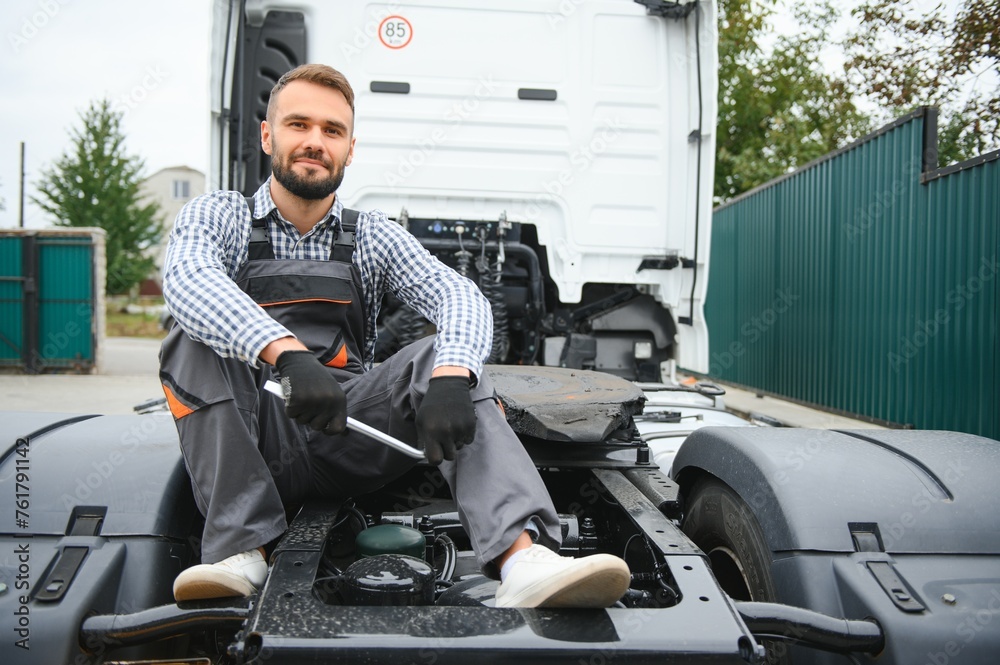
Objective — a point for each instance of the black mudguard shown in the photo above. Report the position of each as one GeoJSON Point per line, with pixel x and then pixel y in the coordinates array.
{"type": "Point", "coordinates": [898, 525]}
{"type": "Point", "coordinates": [107, 520]}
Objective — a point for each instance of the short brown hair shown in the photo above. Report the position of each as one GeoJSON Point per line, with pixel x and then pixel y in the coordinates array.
{"type": "Point", "coordinates": [323, 75]}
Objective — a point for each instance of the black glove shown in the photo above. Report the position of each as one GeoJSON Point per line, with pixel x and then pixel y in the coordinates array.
{"type": "Point", "coordinates": [446, 420]}
{"type": "Point", "coordinates": [312, 396]}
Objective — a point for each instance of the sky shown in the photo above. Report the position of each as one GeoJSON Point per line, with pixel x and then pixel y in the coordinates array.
{"type": "Point", "coordinates": [151, 59]}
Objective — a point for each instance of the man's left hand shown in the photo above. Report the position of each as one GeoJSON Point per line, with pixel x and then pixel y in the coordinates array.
{"type": "Point", "coordinates": [446, 419]}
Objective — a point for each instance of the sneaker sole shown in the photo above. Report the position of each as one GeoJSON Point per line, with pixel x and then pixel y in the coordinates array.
{"type": "Point", "coordinates": [596, 585]}
{"type": "Point", "coordinates": [209, 584]}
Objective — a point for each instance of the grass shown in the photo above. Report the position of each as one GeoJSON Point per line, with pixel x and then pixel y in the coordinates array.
{"type": "Point", "coordinates": [123, 323]}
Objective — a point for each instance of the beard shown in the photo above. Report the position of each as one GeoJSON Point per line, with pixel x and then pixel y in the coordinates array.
{"type": "Point", "coordinates": [311, 187]}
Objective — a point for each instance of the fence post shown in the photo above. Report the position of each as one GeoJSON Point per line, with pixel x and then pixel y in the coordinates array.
{"type": "Point", "coordinates": [29, 265]}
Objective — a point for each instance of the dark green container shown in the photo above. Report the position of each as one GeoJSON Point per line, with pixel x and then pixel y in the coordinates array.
{"type": "Point", "coordinates": [390, 539]}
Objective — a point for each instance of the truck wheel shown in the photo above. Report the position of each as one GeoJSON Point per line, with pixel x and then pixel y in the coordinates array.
{"type": "Point", "coordinates": [723, 526]}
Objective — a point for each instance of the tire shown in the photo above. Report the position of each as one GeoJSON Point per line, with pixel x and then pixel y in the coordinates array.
{"type": "Point", "coordinates": [724, 527]}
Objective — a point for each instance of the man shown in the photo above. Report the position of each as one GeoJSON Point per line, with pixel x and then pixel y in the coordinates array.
{"type": "Point", "coordinates": [289, 288]}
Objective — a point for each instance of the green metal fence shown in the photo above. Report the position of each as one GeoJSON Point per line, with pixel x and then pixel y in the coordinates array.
{"type": "Point", "coordinates": [47, 300]}
{"type": "Point", "coordinates": [866, 283]}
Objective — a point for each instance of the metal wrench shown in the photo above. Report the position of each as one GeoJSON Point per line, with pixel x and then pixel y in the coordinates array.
{"type": "Point", "coordinates": [360, 427]}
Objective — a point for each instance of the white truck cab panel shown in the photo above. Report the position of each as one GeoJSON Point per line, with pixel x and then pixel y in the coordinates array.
{"type": "Point", "coordinates": [586, 126]}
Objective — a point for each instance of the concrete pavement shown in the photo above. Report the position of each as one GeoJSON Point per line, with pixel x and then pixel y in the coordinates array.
{"type": "Point", "coordinates": [748, 404]}
{"type": "Point", "coordinates": [129, 378]}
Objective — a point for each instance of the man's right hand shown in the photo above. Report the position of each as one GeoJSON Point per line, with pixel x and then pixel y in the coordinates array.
{"type": "Point", "coordinates": [312, 396]}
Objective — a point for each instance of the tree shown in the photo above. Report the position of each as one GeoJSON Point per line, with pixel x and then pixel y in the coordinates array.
{"type": "Point", "coordinates": [778, 109]}
{"type": "Point", "coordinates": [900, 59]}
{"type": "Point", "coordinates": [96, 183]}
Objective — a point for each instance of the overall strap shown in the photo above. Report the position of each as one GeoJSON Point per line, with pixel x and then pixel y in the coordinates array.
{"type": "Point", "coordinates": [260, 238]}
{"type": "Point", "coordinates": [343, 245]}
{"type": "Point", "coordinates": [342, 249]}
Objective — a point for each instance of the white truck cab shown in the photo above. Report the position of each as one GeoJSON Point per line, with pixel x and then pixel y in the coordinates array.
{"type": "Point", "coordinates": [559, 153]}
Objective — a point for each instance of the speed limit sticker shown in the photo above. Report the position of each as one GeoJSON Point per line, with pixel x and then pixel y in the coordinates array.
{"type": "Point", "coordinates": [395, 31]}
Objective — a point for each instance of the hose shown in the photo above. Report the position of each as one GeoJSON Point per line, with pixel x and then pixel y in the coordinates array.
{"type": "Point", "coordinates": [811, 628]}
{"type": "Point", "coordinates": [489, 284]}
{"type": "Point", "coordinates": [450, 557]}
{"type": "Point", "coordinates": [463, 257]}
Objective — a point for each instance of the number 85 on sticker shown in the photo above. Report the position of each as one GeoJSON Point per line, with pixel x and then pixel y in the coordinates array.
{"type": "Point", "coordinates": [395, 32]}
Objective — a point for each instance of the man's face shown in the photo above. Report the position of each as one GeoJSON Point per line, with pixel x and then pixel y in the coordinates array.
{"type": "Point", "coordinates": [310, 139]}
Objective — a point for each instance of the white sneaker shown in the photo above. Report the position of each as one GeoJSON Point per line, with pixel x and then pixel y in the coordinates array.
{"type": "Point", "coordinates": [542, 578]}
{"type": "Point", "coordinates": [240, 575]}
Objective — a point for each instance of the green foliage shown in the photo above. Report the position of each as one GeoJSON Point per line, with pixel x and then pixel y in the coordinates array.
{"type": "Point", "coordinates": [96, 184]}
{"type": "Point", "coordinates": [778, 109]}
{"type": "Point", "coordinates": [899, 59]}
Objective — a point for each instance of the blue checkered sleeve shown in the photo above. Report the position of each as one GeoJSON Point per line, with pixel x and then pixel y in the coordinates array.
{"type": "Point", "coordinates": [206, 248]}
{"type": "Point", "coordinates": [390, 258]}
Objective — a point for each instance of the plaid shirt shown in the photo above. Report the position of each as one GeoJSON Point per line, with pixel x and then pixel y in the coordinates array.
{"type": "Point", "coordinates": [209, 244]}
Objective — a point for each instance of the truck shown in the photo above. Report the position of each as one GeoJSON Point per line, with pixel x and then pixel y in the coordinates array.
{"type": "Point", "coordinates": [557, 152]}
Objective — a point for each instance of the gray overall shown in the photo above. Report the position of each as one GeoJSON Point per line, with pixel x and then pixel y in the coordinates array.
{"type": "Point", "coordinates": [251, 466]}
